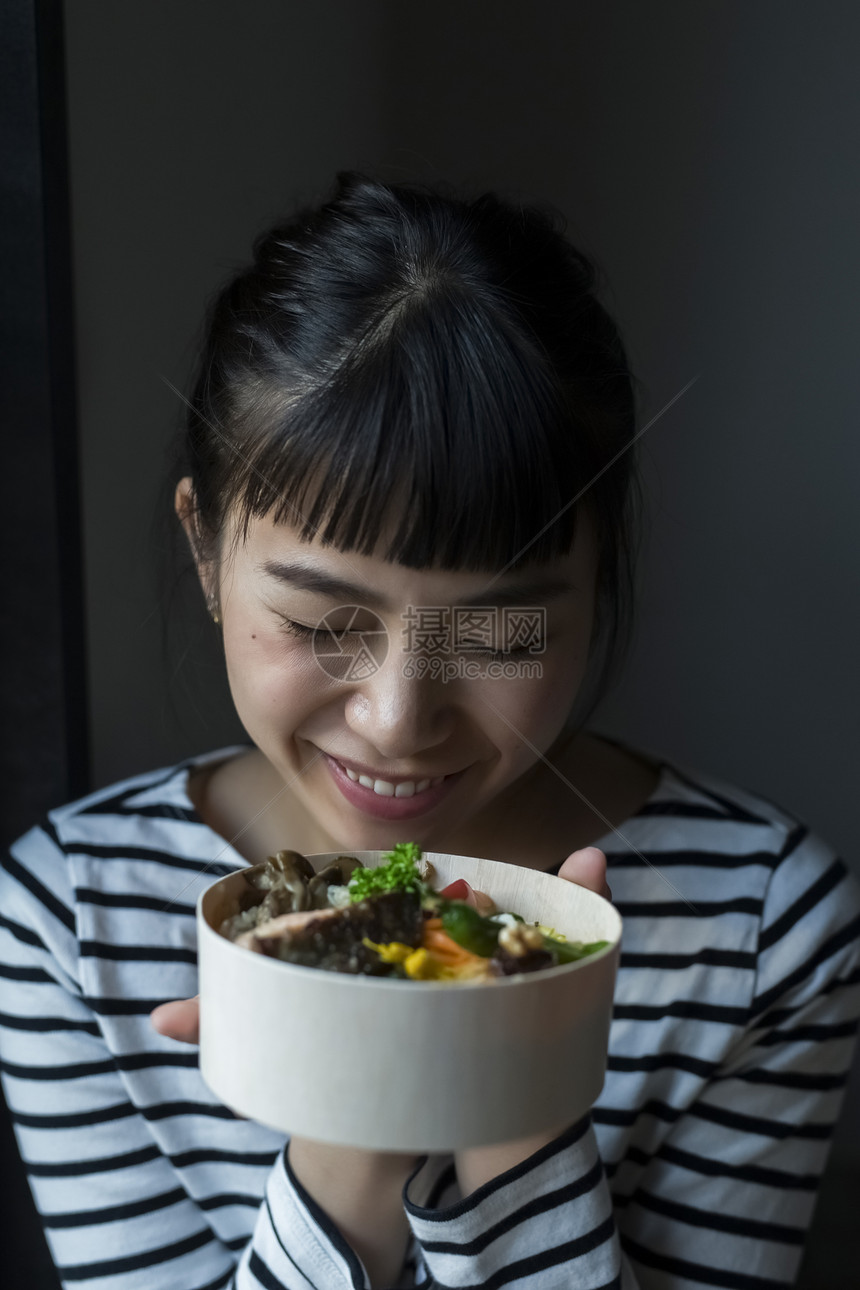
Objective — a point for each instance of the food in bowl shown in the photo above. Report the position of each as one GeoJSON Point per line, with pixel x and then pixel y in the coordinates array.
{"type": "Point", "coordinates": [365, 1061]}
{"type": "Point", "coordinates": [388, 921]}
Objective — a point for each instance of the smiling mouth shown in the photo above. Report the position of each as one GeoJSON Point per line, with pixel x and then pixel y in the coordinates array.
{"type": "Point", "coordinates": [401, 788]}
{"type": "Point", "coordinates": [386, 799]}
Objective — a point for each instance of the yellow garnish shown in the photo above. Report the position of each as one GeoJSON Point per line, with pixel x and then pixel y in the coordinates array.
{"type": "Point", "coordinates": [393, 952]}
{"type": "Point", "coordinates": [423, 965]}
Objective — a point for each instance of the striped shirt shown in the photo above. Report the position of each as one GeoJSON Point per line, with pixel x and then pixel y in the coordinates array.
{"type": "Point", "coordinates": [736, 1005]}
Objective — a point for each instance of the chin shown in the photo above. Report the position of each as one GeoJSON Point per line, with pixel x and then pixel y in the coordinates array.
{"type": "Point", "coordinates": [358, 833]}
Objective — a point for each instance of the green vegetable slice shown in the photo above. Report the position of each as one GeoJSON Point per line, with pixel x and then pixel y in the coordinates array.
{"type": "Point", "coordinates": [570, 951]}
{"type": "Point", "coordinates": [469, 929]}
{"type": "Point", "coordinates": [398, 871]}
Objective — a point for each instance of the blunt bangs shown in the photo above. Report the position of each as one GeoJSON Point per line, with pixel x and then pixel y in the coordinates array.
{"type": "Point", "coordinates": [441, 440]}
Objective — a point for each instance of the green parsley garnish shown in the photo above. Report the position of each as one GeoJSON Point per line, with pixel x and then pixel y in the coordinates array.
{"type": "Point", "coordinates": [398, 871]}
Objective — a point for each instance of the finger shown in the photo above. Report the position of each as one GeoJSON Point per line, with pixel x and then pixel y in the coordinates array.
{"type": "Point", "coordinates": [587, 868]}
{"type": "Point", "coordinates": [178, 1020]}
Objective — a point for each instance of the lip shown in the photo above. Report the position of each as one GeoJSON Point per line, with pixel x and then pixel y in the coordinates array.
{"type": "Point", "coordinates": [388, 808]}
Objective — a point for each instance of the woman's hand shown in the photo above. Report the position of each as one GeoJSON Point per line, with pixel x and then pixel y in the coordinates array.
{"type": "Point", "coordinates": [478, 1165]}
{"type": "Point", "coordinates": [587, 868]}
{"type": "Point", "coordinates": [179, 1020]}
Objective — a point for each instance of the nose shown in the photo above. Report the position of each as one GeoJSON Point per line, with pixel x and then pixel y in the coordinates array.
{"type": "Point", "coordinates": [401, 710]}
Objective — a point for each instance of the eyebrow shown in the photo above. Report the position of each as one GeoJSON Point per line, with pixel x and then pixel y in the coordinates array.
{"type": "Point", "coordinates": [303, 578]}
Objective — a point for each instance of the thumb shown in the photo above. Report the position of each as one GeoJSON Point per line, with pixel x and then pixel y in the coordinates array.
{"type": "Point", "coordinates": [587, 868]}
{"type": "Point", "coordinates": [178, 1020]}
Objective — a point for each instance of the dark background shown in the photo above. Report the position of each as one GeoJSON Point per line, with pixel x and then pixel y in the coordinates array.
{"type": "Point", "coordinates": [705, 153]}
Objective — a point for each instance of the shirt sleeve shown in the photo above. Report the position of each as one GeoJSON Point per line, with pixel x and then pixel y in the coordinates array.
{"type": "Point", "coordinates": [727, 1191]}
{"type": "Point", "coordinates": [115, 1212]}
{"type": "Point", "coordinates": [543, 1225]}
{"type": "Point", "coordinates": [727, 1198]}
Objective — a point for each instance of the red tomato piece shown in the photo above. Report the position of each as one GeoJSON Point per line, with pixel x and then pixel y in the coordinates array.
{"type": "Point", "coordinates": [459, 890]}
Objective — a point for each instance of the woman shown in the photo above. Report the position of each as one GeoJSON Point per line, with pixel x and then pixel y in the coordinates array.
{"type": "Point", "coordinates": [408, 492]}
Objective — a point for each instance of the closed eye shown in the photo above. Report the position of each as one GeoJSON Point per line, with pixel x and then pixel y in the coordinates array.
{"type": "Point", "coordinates": [309, 633]}
{"type": "Point", "coordinates": [304, 632]}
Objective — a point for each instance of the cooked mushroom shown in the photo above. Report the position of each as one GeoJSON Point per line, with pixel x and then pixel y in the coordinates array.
{"type": "Point", "coordinates": [291, 887]}
{"type": "Point", "coordinates": [426, 871]}
{"type": "Point", "coordinates": [284, 880]}
{"type": "Point", "coordinates": [337, 873]}
{"type": "Point", "coordinates": [287, 873]}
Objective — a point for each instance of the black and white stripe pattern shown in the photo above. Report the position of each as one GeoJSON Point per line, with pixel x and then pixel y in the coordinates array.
{"type": "Point", "coordinates": [736, 1007]}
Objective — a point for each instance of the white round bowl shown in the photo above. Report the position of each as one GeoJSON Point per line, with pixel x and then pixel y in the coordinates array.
{"type": "Point", "coordinates": [418, 1066]}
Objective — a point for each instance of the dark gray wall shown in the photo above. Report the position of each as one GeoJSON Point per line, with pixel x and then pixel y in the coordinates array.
{"type": "Point", "coordinates": [706, 154]}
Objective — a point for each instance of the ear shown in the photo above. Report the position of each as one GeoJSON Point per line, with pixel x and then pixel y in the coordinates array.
{"type": "Point", "coordinates": [185, 505]}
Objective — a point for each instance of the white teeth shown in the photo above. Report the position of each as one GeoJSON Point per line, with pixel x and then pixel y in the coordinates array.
{"type": "Point", "coordinates": [384, 787]}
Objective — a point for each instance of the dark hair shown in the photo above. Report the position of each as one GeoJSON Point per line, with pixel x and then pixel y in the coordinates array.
{"type": "Point", "coordinates": [408, 373]}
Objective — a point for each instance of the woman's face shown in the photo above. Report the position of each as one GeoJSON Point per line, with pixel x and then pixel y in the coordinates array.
{"type": "Point", "coordinates": [411, 715]}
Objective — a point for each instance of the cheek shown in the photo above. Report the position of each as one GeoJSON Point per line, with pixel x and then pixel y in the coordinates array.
{"type": "Point", "coordinates": [269, 677]}
{"type": "Point", "coordinates": [535, 708]}
{"type": "Point", "coordinates": [528, 712]}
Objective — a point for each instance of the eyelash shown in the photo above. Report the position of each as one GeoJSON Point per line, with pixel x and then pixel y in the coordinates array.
{"type": "Point", "coordinates": [303, 632]}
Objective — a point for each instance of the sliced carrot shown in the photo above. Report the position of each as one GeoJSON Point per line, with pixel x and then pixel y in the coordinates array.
{"type": "Point", "coordinates": [440, 944]}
